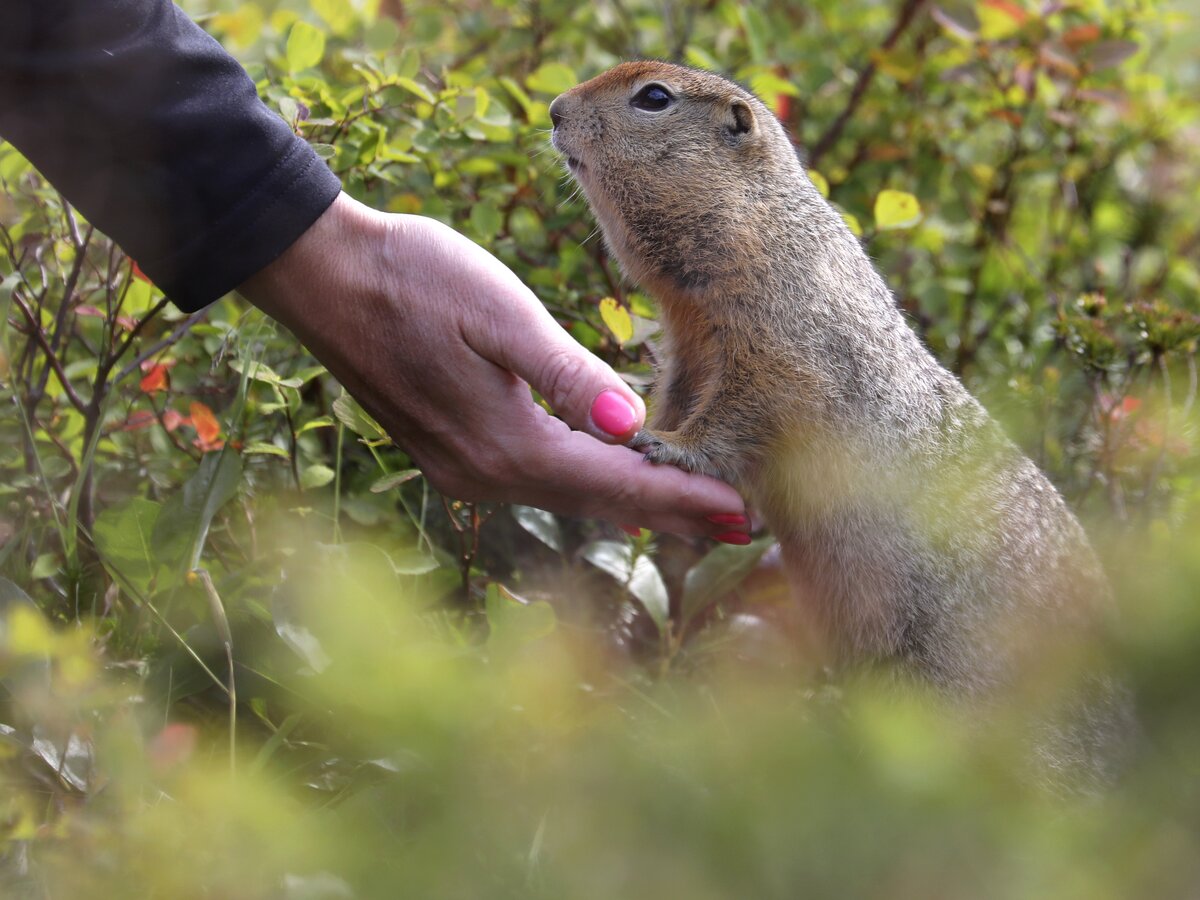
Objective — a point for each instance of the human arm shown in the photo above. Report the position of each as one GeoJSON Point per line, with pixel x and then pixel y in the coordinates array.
{"type": "Point", "coordinates": [160, 139]}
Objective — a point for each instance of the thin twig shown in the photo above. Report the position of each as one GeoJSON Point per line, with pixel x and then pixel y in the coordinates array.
{"type": "Point", "coordinates": [35, 329]}
{"type": "Point", "coordinates": [159, 346]}
{"type": "Point", "coordinates": [904, 18]}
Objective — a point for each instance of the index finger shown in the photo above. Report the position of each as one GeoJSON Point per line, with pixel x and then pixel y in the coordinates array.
{"type": "Point", "coordinates": [580, 475]}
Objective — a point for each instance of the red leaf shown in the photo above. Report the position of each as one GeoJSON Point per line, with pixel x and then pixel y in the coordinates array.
{"type": "Point", "coordinates": [171, 747]}
{"type": "Point", "coordinates": [1010, 116]}
{"type": "Point", "coordinates": [155, 380]}
{"type": "Point", "coordinates": [1080, 35]}
{"type": "Point", "coordinates": [139, 419]}
{"type": "Point", "coordinates": [1117, 409]}
{"type": "Point", "coordinates": [138, 273]}
{"type": "Point", "coordinates": [1009, 8]}
{"type": "Point", "coordinates": [91, 311]}
{"type": "Point", "coordinates": [148, 364]}
{"type": "Point", "coordinates": [1054, 60]}
{"type": "Point", "coordinates": [783, 107]}
{"type": "Point", "coordinates": [206, 425]}
{"type": "Point", "coordinates": [172, 420]}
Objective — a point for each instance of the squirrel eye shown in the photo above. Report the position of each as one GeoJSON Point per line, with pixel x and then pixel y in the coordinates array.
{"type": "Point", "coordinates": [652, 98]}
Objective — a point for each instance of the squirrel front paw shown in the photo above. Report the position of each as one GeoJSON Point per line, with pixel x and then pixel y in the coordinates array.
{"type": "Point", "coordinates": [660, 449]}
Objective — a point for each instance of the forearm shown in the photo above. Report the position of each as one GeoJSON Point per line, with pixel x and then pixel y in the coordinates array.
{"type": "Point", "coordinates": [158, 137]}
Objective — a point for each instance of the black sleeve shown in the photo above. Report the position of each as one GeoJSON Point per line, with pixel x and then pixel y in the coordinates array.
{"type": "Point", "coordinates": [159, 138]}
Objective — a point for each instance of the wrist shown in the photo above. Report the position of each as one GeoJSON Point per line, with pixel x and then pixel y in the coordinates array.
{"type": "Point", "coordinates": [331, 258]}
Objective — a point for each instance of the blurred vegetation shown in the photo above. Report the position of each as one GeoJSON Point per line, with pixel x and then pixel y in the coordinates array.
{"type": "Point", "coordinates": [245, 651]}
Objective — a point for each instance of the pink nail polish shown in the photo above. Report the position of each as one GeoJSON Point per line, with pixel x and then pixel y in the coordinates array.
{"type": "Point", "coordinates": [733, 537]}
{"type": "Point", "coordinates": [612, 413]}
{"type": "Point", "coordinates": [727, 519]}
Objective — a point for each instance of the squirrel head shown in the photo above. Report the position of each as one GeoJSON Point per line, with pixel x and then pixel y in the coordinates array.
{"type": "Point", "coordinates": [679, 166]}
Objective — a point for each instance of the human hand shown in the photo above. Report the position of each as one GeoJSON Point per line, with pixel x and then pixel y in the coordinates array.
{"type": "Point", "coordinates": [440, 341]}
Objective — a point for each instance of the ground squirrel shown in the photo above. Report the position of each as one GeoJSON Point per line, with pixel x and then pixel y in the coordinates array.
{"type": "Point", "coordinates": [912, 529]}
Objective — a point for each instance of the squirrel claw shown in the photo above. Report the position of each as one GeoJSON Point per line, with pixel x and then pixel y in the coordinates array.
{"type": "Point", "coordinates": [667, 453]}
{"type": "Point", "coordinates": [645, 440]}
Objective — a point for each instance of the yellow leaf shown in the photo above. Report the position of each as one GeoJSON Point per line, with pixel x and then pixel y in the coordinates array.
{"type": "Point", "coordinates": [616, 317]}
{"type": "Point", "coordinates": [28, 633]}
{"type": "Point", "coordinates": [896, 209]}
{"type": "Point", "coordinates": [999, 19]}
{"type": "Point", "coordinates": [819, 182]}
{"type": "Point", "coordinates": [852, 223]}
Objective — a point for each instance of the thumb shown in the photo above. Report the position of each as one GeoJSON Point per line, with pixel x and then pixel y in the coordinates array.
{"type": "Point", "coordinates": [580, 387]}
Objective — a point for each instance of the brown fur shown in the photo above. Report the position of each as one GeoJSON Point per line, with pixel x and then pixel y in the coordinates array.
{"type": "Point", "coordinates": [912, 530]}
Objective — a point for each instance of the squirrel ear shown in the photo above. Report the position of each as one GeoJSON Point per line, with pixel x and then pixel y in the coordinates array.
{"type": "Point", "coordinates": [739, 118]}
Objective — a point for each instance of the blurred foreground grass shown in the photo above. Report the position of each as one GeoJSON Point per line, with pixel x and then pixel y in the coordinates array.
{"type": "Point", "coordinates": [389, 755]}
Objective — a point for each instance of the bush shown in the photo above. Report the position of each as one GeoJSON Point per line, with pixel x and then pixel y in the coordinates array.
{"type": "Point", "coordinates": [247, 651]}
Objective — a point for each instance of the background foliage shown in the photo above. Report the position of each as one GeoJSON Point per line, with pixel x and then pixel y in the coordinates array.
{"type": "Point", "coordinates": [246, 652]}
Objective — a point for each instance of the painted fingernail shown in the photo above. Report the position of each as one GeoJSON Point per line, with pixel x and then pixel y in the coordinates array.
{"type": "Point", "coordinates": [631, 530]}
{"type": "Point", "coordinates": [733, 537]}
{"type": "Point", "coordinates": [727, 519]}
{"type": "Point", "coordinates": [612, 413]}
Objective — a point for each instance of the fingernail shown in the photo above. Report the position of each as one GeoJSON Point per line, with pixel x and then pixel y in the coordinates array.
{"type": "Point", "coordinates": [727, 519]}
{"type": "Point", "coordinates": [612, 413]}
{"type": "Point", "coordinates": [733, 537]}
{"type": "Point", "coordinates": [631, 530]}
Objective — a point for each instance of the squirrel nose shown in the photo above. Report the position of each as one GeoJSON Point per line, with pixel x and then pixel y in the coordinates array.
{"type": "Point", "coordinates": [556, 115]}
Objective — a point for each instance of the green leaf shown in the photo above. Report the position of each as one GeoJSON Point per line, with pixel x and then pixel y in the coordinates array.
{"type": "Point", "coordinates": [819, 182]}
{"type": "Point", "coordinates": [12, 597]}
{"type": "Point", "coordinates": [640, 577]}
{"type": "Point", "coordinates": [44, 566]}
{"type": "Point", "coordinates": [349, 413]}
{"type": "Point", "coordinates": [260, 371]}
{"type": "Point", "coordinates": [896, 209]}
{"type": "Point", "coordinates": [387, 482]}
{"type": "Point", "coordinates": [541, 524]}
{"type": "Point", "coordinates": [486, 220]}
{"type": "Point", "coordinates": [259, 448]}
{"type": "Point", "coordinates": [289, 108]}
{"type": "Point", "coordinates": [413, 561]}
{"type": "Point", "coordinates": [526, 227]}
{"type": "Point", "coordinates": [514, 621]}
{"type": "Point", "coordinates": [7, 286]}
{"type": "Point", "coordinates": [297, 635]}
{"type": "Point", "coordinates": [768, 84]}
{"type": "Point", "coordinates": [318, 422]}
{"type": "Point", "coordinates": [383, 35]}
{"type": "Point", "coordinates": [305, 46]}
{"type": "Point", "coordinates": [517, 93]}
{"type": "Point", "coordinates": [552, 78]}
{"type": "Point", "coordinates": [757, 31]}
{"type": "Point", "coordinates": [316, 476]}
{"type": "Point", "coordinates": [337, 14]}
{"type": "Point", "coordinates": [124, 538]}
{"type": "Point", "coordinates": [182, 527]}
{"type": "Point", "coordinates": [718, 573]}
{"type": "Point", "coordinates": [415, 87]}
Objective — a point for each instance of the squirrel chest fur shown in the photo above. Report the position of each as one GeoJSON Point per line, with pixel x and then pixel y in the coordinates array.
{"type": "Point", "coordinates": [912, 530]}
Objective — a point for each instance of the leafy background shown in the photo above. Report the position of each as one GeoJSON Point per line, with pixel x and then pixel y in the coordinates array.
{"type": "Point", "coordinates": [246, 651]}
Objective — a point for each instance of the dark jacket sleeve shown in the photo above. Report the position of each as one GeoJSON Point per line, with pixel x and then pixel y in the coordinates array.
{"type": "Point", "coordinates": [158, 137]}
